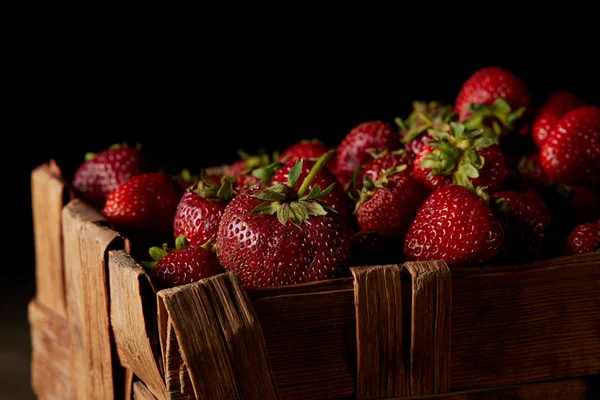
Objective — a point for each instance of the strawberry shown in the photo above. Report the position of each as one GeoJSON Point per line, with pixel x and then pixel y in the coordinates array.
{"type": "Point", "coordinates": [186, 178]}
{"type": "Point", "coordinates": [463, 157]}
{"type": "Point", "coordinates": [526, 222]}
{"type": "Point", "coordinates": [571, 155]}
{"type": "Point", "coordinates": [250, 170]}
{"type": "Point", "coordinates": [337, 198]}
{"type": "Point", "coordinates": [374, 168]}
{"type": "Point", "coordinates": [531, 172]}
{"type": "Point", "coordinates": [584, 238]}
{"type": "Point", "coordinates": [183, 264]}
{"type": "Point", "coordinates": [145, 205]}
{"type": "Point", "coordinates": [352, 151]}
{"type": "Point", "coordinates": [454, 225]}
{"type": "Point", "coordinates": [282, 235]}
{"type": "Point", "coordinates": [311, 149]}
{"type": "Point", "coordinates": [549, 113]}
{"type": "Point", "coordinates": [424, 116]}
{"type": "Point", "coordinates": [389, 204]}
{"type": "Point", "coordinates": [200, 209]}
{"type": "Point", "coordinates": [101, 173]}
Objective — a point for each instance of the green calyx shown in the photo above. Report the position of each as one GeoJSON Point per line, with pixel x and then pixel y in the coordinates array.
{"type": "Point", "coordinates": [208, 189]}
{"type": "Point", "coordinates": [157, 253]}
{"type": "Point", "coordinates": [498, 118]}
{"type": "Point", "coordinates": [261, 159]}
{"type": "Point", "coordinates": [371, 186]}
{"type": "Point", "coordinates": [424, 116]}
{"type": "Point", "coordinates": [455, 153]}
{"type": "Point", "coordinates": [296, 206]}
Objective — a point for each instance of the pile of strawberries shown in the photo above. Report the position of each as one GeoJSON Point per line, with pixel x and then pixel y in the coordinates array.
{"type": "Point", "coordinates": [487, 180]}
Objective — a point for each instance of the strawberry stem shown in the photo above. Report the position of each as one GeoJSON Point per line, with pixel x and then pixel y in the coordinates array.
{"type": "Point", "coordinates": [314, 171]}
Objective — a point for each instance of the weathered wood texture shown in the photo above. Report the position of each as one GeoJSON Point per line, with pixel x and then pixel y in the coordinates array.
{"type": "Point", "coordinates": [141, 392]}
{"type": "Point", "coordinates": [91, 345]}
{"type": "Point", "coordinates": [135, 332]}
{"type": "Point", "coordinates": [214, 321]}
{"type": "Point", "coordinates": [50, 358]}
{"type": "Point", "coordinates": [48, 195]}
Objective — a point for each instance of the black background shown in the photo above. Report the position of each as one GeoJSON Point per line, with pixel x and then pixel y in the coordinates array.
{"type": "Point", "coordinates": [194, 94]}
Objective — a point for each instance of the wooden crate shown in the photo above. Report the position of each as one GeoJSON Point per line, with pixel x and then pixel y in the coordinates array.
{"type": "Point", "coordinates": [416, 330]}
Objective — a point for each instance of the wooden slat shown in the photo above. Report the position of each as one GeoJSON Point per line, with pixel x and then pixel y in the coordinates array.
{"type": "Point", "coordinates": [136, 337]}
{"type": "Point", "coordinates": [93, 358]}
{"type": "Point", "coordinates": [311, 342]}
{"type": "Point", "coordinates": [430, 327]}
{"type": "Point", "coordinates": [48, 196]}
{"type": "Point", "coordinates": [379, 341]}
{"type": "Point", "coordinates": [129, 377]}
{"type": "Point", "coordinates": [50, 358]}
{"type": "Point", "coordinates": [173, 367]}
{"type": "Point", "coordinates": [564, 389]}
{"type": "Point", "coordinates": [141, 392]}
{"type": "Point", "coordinates": [526, 325]}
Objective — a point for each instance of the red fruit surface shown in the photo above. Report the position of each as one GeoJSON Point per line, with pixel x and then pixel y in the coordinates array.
{"type": "Point", "coordinates": [571, 155]}
{"type": "Point", "coordinates": [526, 222]}
{"type": "Point", "coordinates": [185, 265]}
{"type": "Point", "coordinates": [531, 171]}
{"type": "Point", "coordinates": [584, 238]}
{"type": "Point", "coordinates": [376, 167]}
{"type": "Point", "coordinates": [145, 203]}
{"type": "Point", "coordinates": [456, 226]}
{"type": "Point", "coordinates": [312, 149]}
{"type": "Point", "coordinates": [556, 105]}
{"type": "Point", "coordinates": [486, 85]}
{"type": "Point", "coordinates": [95, 179]}
{"type": "Point", "coordinates": [265, 252]}
{"type": "Point", "coordinates": [338, 199]}
{"type": "Point", "coordinates": [353, 149]}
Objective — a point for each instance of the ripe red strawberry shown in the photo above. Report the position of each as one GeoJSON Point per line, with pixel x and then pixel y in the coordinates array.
{"type": "Point", "coordinates": [454, 225]}
{"type": "Point", "coordinates": [200, 209]}
{"type": "Point", "coordinates": [183, 264]}
{"type": "Point", "coordinates": [571, 155]}
{"type": "Point", "coordinates": [311, 149]}
{"type": "Point", "coordinates": [424, 116]}
{"type": "Point", "coordinates": [145, 205]}
{"type": "Point", "coordinates": [526, 222]}
{"type": "Point", "coordinates": [250, 170]}
{"type": "Point", "coordinates": [283, 235]}
{"type": "Point", "coordinates": [463, 157]}
{"type": "Point", "coordinates": [337, 198]}
{"type": "Point", "coordinates": [489, 84]}
{"type": "Point", "coordinates": [102, 173]}
{"type": "Point", "coordinates": [554, 107]}
{"type": "Point", "coordinates": [354, 148]}
{"type": "Point", "coordinates": [389, 204]}
{"type": "Point", "coordinates": [376, 167]}
{"type": "Point", "coordinates": [531, 171]}
{"type": "Point", "coordinates": [584, 238]}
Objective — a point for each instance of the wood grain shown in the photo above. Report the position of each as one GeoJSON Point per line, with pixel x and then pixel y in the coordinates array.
{"type": "Point", "coordinates": [48, 195]}
{"type": "Point", "coordinates": [430, 327]}
{"type": "Point", "coordinates": [50, 357]}
{"type": "Point", "coordinates": [135, 336]}
{"type": "Point", "coordinates": [379, 341]}
{"type": "Point", "coordinates": [94, 361]}
{"type": "Point", "coordinates": [526, 325]}
{"type": "Point", "coordinates": [141, 392]}
{"type": "Point", "coordinates": [173, 368]}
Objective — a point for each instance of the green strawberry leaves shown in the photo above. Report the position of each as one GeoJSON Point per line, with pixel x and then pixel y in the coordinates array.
{"type": "Point", "coordinates": [498, 119]}
{"type": "Point", "coordinates": [157, 253]}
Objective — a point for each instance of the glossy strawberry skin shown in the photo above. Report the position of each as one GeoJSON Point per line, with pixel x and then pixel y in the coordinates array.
{"type": "Point", "coordinates": [556, 105]}
{"type": "Point", "coordinates": [584, 238]}
{"type": "Point", "coordinates": [491, 176]}
{"type": "Point", "coordinates": [264, 252]}
{"type": "Point", "coordinates": [526, 222]}
{"type": "Point", "coordinates": [486, 85]}
{"type": "Point", "coordinates": [311, 149]}
{"type": "Point", "coordinates": [375, 167]}
{"type": "Point", "coordinates": [197, 218]}
{"type": "Point", "coordinates": [338, 199]}
{"type": "Point", "coordinates": [456, 226]}
{"type": "Point", "coordinates": [571, 155]}
{"type": "Point", "coordinates": [145, 204]}
{"type": "Point", "coordinates": [95, 179]}
{"type": "Point", "coordinates": [185, 265]}
{"type": "Point", "coordinates": [352, 150]}
{"type": "Point", "coordinates": [391, 210]}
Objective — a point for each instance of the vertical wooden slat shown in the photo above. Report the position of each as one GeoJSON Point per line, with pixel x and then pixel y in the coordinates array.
{"type": "Point", "coordinates": [48, 196]}
{"type": "Point", "coordinates": [93, 361]}
{"type": "Point", "coordinates": [214, 321]}
{"type": "Point", "coordinates": [379, 341]}
{"type": "Point", "coordinates": [137, 347]}
{"type": "Point", "coordinates": [173, 366]}
{"type": "Point", "coordinates": [430, 327]}
{"type": "Point", "coordinates": [141, 392]}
